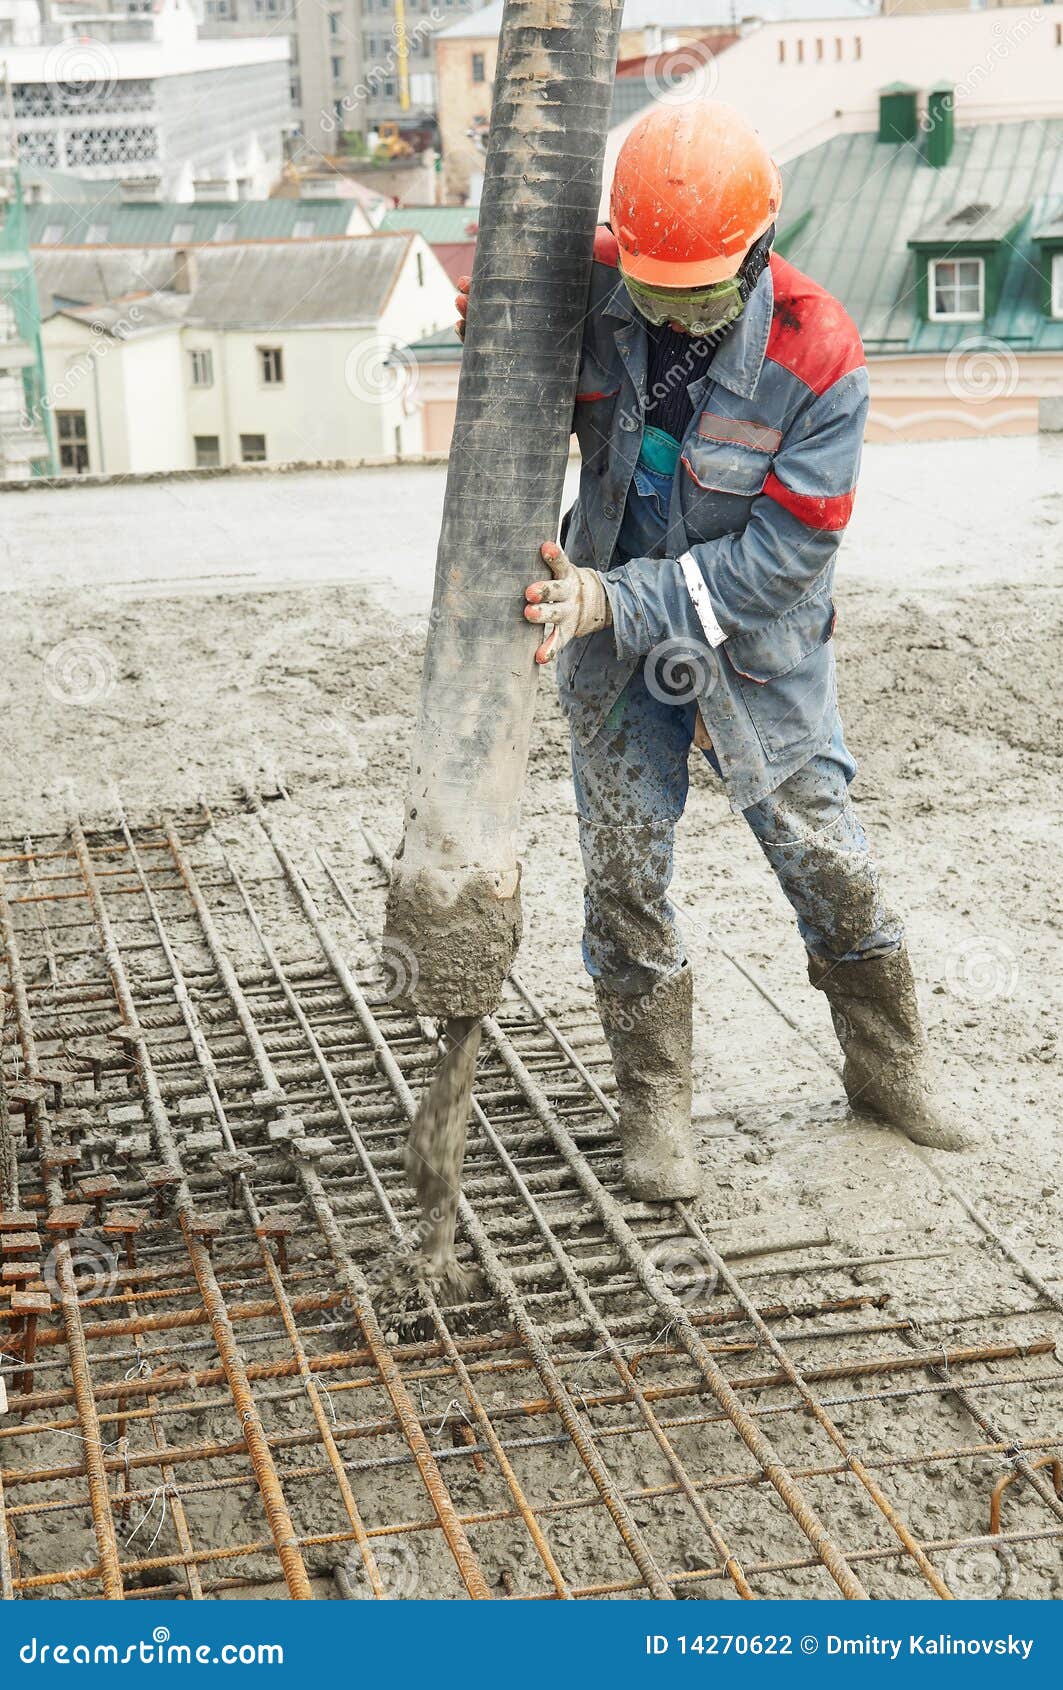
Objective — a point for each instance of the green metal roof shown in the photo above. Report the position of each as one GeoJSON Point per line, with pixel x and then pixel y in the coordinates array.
{"type": "Point", "coordinates": [971, 224]}
{"type": "Point", "coordinates": [442, 347]}
{"type": "Point", "coordinates": [105, 222]}
{"type": "Point", "coordinates": [853, 204]}
{"type": "Point", "coordinates": [439, 225]}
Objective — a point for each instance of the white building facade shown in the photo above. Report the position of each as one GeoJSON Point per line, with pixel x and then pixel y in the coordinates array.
{"type": "Point", "coordinates": [251, 355]}
{"type": "Point", "coordinates": [149, 102]}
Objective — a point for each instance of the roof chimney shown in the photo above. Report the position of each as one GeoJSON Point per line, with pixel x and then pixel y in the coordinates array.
{"type": "Point", "coordinates": [940, 125]}
{"type": "Point", "coordinates": [186, 271]}
{"type": "Point", "coordinates": [898, 117]}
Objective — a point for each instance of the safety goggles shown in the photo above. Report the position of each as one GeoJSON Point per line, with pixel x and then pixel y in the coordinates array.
{"type": "Point", "coordinates": [707, 310]}
{"type": "Point", "coordinates": [697, 311]}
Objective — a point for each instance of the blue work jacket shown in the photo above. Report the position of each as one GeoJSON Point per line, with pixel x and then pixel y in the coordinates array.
{"type": "Point", "coordinates": [742, 578]}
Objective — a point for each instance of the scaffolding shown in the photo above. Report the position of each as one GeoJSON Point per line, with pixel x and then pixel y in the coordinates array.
{"type": "Point", "coordinates": [27, 446]}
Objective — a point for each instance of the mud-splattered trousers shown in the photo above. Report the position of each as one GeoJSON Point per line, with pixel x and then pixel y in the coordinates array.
{"type": "Point", "coordinates": [631, 788]}
{"type": "Point", "coordinates": [720, 586]}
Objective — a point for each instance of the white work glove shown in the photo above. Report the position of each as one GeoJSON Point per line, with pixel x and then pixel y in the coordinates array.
{"type": "Point", "coordinates": [574, 602]}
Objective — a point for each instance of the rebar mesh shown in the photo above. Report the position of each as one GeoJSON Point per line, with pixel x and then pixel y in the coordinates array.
{"type": "Point", "coordinates": [207, 1386]}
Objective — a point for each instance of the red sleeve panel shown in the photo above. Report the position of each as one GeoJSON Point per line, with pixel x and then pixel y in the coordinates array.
{"type": "Point", "coordinates": [812, 335]}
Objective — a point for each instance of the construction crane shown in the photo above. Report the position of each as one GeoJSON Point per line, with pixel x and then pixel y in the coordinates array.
{"type": "Point", "coordinates": [454, 905]}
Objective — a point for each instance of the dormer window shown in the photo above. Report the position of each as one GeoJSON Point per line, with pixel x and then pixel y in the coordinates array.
{"type": "Point", "coordinates": [1048, 238]}
{"type": "Point", "coordinates": [956, 290]}
{"type": "Point", "coordinates": [961, 255]}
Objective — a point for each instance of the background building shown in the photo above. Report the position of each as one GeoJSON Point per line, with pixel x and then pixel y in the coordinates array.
{"type": "Point", "coordinates": [802, 81]}
{"type": "Point", "coordinates": [946, 246]}
{"type": "Point", "coordinates": [168, 358]}
{"type": "Point", "coordinates": [661, 43]}
{"type": "Point", "coordinates": [355, 64]}
{"type": "Point", "coordinates": [144, 100]}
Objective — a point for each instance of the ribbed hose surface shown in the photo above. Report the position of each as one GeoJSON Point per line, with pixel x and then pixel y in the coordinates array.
{"type": "Point", "coordinates": [455, 896]}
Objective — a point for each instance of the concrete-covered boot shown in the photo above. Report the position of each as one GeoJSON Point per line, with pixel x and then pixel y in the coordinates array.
{"type": "Point", "coordinates": [888, 1069]}
{"type": "Point", "coordinates": [650, 1038]}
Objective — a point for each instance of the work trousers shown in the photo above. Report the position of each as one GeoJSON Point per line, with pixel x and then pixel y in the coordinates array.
{"type": "Point", "coordinates": [631, 788]}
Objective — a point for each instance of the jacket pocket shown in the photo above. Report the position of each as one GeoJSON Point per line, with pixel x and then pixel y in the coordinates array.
{"type": "Point", "coordinates": [786, 675]}
{"type": "Point", "coordinates": [720, 465]}
{"type": "Point", "coordinates": [763, 654]}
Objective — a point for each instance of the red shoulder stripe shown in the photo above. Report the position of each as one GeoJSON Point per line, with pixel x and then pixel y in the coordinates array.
{"type": "Point", "coordinates": [606, 249]}
{"type": "Point", "coordinates": [812, 335]}
{"type": "Point", "coordinates": [827, 514]}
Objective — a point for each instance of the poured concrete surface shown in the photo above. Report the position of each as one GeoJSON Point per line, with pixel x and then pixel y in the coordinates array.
{"type": "Point", "coordinates": [128, 660]}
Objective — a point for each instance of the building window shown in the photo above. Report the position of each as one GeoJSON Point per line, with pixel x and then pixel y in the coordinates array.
{"type": "Point", "coordinates": [1057, 284]}
{"type": "Point", "coordinates": [271, 366]}
{"type": "Point", "coordinates": [182, 232]}
{"type": "Point", "coordinates": [957, 290]}
{"type": "Point", "coordinates": [252, 448]}
{"type": "Point", "coordinates": [96, 234]}
{"type": "Point", "coordinates": [420, 269]}
{"type": "Point", "coordinates": [72, 432]}
{"type": "Point", "coordinates": [334, 23]}
{"type": "Point", "coordinates": [479, 69]}
{"type": "Point", "coordinates": [208, 451]}
{"type": "Point", "coordinates": [304, 229]}
{"type": "Point", "coordinates": [202, 362]}
{"type": "Point", "coordinates": [337, 68]}
{"type": "Point", "coordinates": [130, 143]}
{"type": "Point", "coordinates": [53, 234]}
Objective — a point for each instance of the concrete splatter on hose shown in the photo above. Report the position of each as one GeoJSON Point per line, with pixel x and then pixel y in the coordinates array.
{"type": "Point", "coordinates": [455, 891]}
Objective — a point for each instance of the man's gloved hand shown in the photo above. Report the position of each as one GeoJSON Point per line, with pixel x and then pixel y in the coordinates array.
{"type": "Point", "coordinates": [574, 601]}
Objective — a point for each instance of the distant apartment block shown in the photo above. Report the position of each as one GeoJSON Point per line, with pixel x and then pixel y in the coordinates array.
{"type": "Point", "coordinates": [355, 64]}
{"type": "Point", "coordinates": [141, 98]}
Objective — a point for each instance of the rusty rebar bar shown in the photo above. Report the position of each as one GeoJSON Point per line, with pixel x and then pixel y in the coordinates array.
{"type": "Point", "coordinates": [270, 1488]}
{"type": "Point", "coordinates": [65, 1285]}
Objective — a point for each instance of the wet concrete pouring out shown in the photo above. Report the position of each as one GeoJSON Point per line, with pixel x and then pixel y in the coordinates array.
{"type": "Point", "coordinates": [209, 1390]}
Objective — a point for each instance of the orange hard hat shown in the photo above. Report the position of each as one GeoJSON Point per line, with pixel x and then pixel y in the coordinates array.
{"type": "Point", "coordinates": [694, 187]}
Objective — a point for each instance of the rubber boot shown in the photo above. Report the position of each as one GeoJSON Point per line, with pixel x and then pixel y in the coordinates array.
{"type": "Point", "coordinates": [887, 1068]}
{"type": "Point", "coordinates": [650, 1039]}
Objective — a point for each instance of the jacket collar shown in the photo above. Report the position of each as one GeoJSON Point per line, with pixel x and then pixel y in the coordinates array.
{"type": "Point", "coordinates": [739, 361]}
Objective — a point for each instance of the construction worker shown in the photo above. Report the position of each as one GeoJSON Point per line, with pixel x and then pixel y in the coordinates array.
{"type": "Point", "coordinates": [720, 414]}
